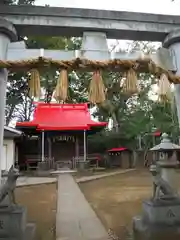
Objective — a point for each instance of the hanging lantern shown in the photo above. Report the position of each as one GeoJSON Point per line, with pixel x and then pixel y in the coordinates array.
{"type": "Point", "coordinates": [130, 85]}
{"type": "Point", "coordinates": [164, 91]}
{"type": "Point", "coordinates": [97, 88]}
{"type": "Point", "coordinates": [34, 84]}
{"type": "Point", "coordinates": [61, 90]}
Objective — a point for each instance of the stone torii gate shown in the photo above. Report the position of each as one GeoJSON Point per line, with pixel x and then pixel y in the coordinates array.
{"type": "Point", "coordinates": [95, 26]}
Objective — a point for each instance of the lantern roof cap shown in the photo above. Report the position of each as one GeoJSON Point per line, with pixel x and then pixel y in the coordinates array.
{"type": "Point", "coordinates": [165, 144]}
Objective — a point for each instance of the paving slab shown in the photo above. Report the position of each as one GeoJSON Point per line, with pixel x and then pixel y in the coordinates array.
{"type": "Point", "coordinates": [75, 219]}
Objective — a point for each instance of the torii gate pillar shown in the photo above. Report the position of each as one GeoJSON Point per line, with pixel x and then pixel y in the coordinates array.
{"type": "Point", "coordinates": [172, 41]}
{"type": "Point", "coordinates": [7, 34]}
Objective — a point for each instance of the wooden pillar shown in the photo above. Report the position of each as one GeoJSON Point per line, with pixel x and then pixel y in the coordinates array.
{"type": "Point", "coordinates": [39, 146]}
{"type": "Point", "coordinates": [134, 153]}
{"type": "Point", "coordinates": [85, 153]}
{"type": "Point", "coordinates": [130, 160]}
{"type": "Point", "coordinates": [42, 147]}
{"type": "Point", "coordinates": [75, 159]}
{"type": "Point", "coordinates": [77, 147]}
{"type": "Point", "coordinates": [16, 155]}
{"type": "Point", "coordinates": [86, 145]}
{"type": "Point", "coordinates": [120, 157]}
{"type": "Point", "coordinates": [49, 148]}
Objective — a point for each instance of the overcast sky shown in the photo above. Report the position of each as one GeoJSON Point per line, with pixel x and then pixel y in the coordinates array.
{"type": "Point", "coordinates": [151, 6]}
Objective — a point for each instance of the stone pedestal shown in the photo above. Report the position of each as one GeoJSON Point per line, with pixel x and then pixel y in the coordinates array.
{"type": "Point", "coordinates": [13, 223]}
{"type": "Point", "coordinates": [144, 231]}
{"type": "Point", "coordinates": [162, 212]}
{"type": "Point", "coordinates": [82, 165]}
{"type": "Point", "coordinates": [160, 220]}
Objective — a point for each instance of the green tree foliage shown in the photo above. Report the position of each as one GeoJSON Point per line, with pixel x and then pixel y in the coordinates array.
{"type": "Point", "coordinates": [134, 116]}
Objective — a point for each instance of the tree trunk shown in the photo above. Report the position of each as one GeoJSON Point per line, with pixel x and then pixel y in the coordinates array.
{"type": "Point", "coordinates": [115, 122]}
{"type": "Point", "coordinates": [9, 115]}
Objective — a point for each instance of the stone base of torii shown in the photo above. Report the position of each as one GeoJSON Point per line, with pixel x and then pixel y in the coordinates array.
{"type": "Point", "coordinates": [94, 47]}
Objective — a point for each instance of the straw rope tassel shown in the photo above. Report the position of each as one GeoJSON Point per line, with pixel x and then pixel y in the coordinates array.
{"type": "Point", "coordinates": [130, 85]}
{"type": "Point", "coordinates": [61, 91]}
{"type": "Point", "coordinates": [164, 91]}
{"type": "Point", "coordinates": [96, 89]}
{"type": "Point", "coordinates": [34, 84]}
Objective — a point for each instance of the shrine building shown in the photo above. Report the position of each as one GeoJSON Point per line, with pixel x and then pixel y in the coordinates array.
{"type": "Point", "coordinates": [58, 133]}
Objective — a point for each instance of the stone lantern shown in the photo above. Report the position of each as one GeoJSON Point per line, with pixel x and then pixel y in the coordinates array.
{"type": "Point", "coordinates": [160, 218]}
{"type": "Point", "coordinates": [166, 161]}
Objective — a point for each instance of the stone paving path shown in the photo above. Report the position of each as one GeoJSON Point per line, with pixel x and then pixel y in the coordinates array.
{"type": "Point", "coordinates": [75, 219]}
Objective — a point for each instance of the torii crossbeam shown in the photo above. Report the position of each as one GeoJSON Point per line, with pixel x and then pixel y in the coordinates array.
{"type": "Point", "coordinates": [72, 22]}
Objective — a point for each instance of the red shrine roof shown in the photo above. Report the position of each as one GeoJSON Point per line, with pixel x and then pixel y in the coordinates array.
{"type": "Point", "coordinates": [59, 117]}
{"type": "Point", "coordinates": [157, 133]}
{"type": "Point", "coordinates": [119, 149]}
